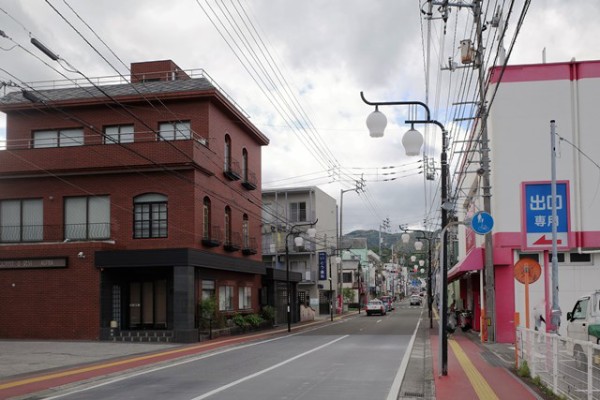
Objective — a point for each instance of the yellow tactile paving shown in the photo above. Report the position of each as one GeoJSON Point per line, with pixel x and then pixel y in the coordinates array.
{"type": "Point", "coordinates": [482, 388]}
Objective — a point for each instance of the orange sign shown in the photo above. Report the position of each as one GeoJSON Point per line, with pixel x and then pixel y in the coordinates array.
{"type": "Point", "coordinates": [527, 270]}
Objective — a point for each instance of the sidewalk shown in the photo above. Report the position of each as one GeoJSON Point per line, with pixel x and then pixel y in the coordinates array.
{"type": "Point", "coordinates": [475, 370]}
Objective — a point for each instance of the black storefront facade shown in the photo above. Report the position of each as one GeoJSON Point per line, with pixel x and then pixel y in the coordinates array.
{"type": "Point", "coordinates": [154, 293]}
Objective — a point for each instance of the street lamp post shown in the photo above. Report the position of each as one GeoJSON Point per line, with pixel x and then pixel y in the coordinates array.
{"type": "Point", "coordinates": [412, 142]}
{"type": "Point", "coordinates": [418, 246]}
{"type": "Point", "coordinates": [298, 241]}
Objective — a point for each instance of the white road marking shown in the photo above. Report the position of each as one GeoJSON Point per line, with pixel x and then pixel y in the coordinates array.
{"type": "Point", "coordinates": [176, 363]}
{"type": "Point", "coordinates": [254, 375]}
{"type": "Point", "coordinates": [395, 389]}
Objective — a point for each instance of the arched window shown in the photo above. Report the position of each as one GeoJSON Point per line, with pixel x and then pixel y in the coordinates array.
{"type": "Point", "coordinates": [227, 154]}
{"type": "Point", "coordinates": [206, 219]}
{"type": "Point", "coordinates": [150, 216]}
{"type": "Point", "coordinates": [227, 225]}
{"type": "Point", "coordinates": [245, 232]}
{"type": "Point", "coordinates": [245, 165]}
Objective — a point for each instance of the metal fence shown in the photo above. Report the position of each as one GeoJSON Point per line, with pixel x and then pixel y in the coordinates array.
{"type": "Point", "coordinates": [570, 368]}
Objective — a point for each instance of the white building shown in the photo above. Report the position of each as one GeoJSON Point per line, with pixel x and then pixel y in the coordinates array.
{"type": "Point", "coordinates": [285, 208]}
{"type": "Point", "coordinates": [523, 99]}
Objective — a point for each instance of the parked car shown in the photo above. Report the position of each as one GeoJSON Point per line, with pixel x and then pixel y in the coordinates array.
{"type": "Point", "coordinates": [416, 300]}
{"type": "Point", "coordinates": [376, 307]}
{"type": "Point", "coordinates": [583, 325]}
{"type": "Point", "coordinates": [388, 301]}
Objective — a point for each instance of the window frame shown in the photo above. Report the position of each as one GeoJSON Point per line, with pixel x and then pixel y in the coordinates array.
{"type": "Point", "coordinates": [119, 136]}
{"type": "Point", "coordinates": [23, 223]}
{"type": "Point", "coordinates": [149, 205]}
{"type": "Point", "coordinates": [296, 210]}
{"type": "Point", "coordinates": [245, 165]}
{"type": "Point", "coordinates": [227, 153]}
{"type": "Point", "coordinates": [244, 298]}
{"type": "Point", "coordinates": [226, 298]}
{"type": "Point", "coordinates": [206, 218]}
{"type": "Point", "coordinates": [228, 225]}
{"type": "Point", "coordinates": [245, 231]}
{"type": "Point", "coordinates": [71, 234]}
{"type": "Point", "coordinates": [208, 289]}
{"type": "Point", "coordinates": [57, 138]}
{"type": "Point", "coordinates": [175, 133]}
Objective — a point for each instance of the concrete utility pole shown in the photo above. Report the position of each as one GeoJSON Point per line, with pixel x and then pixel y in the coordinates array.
{"type": "Point", "coordinates": [490, 291]}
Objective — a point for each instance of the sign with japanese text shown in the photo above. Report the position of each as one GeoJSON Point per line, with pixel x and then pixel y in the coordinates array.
{"type": "Point", "coordinates": [536, 215]}
{"type": "Point", "coordinates": [322, 265]}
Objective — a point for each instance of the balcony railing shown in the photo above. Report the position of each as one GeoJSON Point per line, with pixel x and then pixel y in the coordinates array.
{"type": "Point", "coordinates": [98, 231]}
{"type": "Point", "coordinates": [249, 181]}
{"type": "Point", "coordinates": [249, 246]}
{"type": "Point", "coordinates": [213, 238]}
{"type": "Point", "coordinates": [232, 170]}
{"type": "Point", "coordinates": [54, 233]}
{"type": "Point", "coordinates": [234, 242]}
{"type": "Point", "coordinates": [25, 233]}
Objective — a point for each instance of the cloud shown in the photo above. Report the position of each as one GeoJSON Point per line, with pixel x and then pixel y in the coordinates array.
{"type": "Point", "coordinates": [327, 53]}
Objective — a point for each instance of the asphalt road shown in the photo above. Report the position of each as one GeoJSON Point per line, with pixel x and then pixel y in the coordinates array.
{"type": "Point", "coordinates": [356, 357]}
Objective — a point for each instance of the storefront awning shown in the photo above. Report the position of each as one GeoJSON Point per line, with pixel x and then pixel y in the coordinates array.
{"type": "Point", "coordinates": [472, 262]}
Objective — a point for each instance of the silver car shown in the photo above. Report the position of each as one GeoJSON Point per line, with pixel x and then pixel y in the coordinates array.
{"type": "Point", "coordinates": [416, 300]}
{"type": "Point", "coordinates": [376, 307]}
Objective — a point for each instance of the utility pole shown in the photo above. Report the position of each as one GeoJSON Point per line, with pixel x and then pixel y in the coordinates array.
{"type": "Point", "coordinates": [490, 291]}
{"type": "Point", "coordinates": [489, 306]}
{"type": "Point", "coordinates": [385, 225]}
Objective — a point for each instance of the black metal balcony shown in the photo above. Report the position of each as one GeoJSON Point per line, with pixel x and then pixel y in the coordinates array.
{"type": "Point", "coordinates": [234, 242]}
{"type": "Point", "coordinates": [249, 247]}
{"type": "Point", "coordinates": [249, 181]}
{"type": "Point", "coordinates": [54, 233]}
{"type": "Point", "coordinates": [232, 171]}
{"type": "Point", "coordinates": [214, 239]}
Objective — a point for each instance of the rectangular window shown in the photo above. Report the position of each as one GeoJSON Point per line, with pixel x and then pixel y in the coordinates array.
{"type": "Point", "coordinates": [118, 134]}
{"type": "Point", "coordinates": [245, 298]}
{"type": "Point", "coordinates": [21, 220]}
{"type": "Point", "coordinates": [580, 258]}
{"type": "Point", "coordinates": [298, 212]}
{"type": "Point", "coordinates": [87, 218]}
{"type": "Point", "coordinates": [347, 277]}
{"type": "Point", "coordinates": [560, 257]}
{"type": "Point", "coordinates": [208, 290]}
{"type": "Point", "coordinates": [225, 298]}
{"type": "Point", "coordinates": [58, 138]}
{"type": "Point", "coordinates": [175, 131]}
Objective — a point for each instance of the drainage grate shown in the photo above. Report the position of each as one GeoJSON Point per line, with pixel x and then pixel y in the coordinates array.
{"type": "Point", "coordinates": [413, 394]}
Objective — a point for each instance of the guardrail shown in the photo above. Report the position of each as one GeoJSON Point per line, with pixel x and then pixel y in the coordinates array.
{"type": "Point", "coordinates": [570, 368]}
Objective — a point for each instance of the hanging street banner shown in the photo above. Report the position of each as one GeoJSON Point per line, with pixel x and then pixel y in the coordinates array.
{"type": "Point", "coordinates": [536, 215]}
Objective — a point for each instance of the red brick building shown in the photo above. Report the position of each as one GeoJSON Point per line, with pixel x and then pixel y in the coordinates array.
{"type": "Point", "coordinates": [122, 205]}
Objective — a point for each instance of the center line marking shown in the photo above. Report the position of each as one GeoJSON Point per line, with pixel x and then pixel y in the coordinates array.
{"type": "Point", "coordinates": [254, 375]}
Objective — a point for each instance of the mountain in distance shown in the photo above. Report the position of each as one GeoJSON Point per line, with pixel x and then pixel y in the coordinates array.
{"type": "Point", "coordinates": [372, 236]}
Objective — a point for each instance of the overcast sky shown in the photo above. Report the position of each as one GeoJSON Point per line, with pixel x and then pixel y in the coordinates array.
{"type": "Point", "coordinates": [300, 83]}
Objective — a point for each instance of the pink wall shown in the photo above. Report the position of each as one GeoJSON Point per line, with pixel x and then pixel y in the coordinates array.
{"type": "Point", "coordinates": [505, 303]}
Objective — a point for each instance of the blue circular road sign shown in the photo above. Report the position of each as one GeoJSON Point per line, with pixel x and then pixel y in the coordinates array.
{"type": "Point", "coordinates": [482, 222]}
